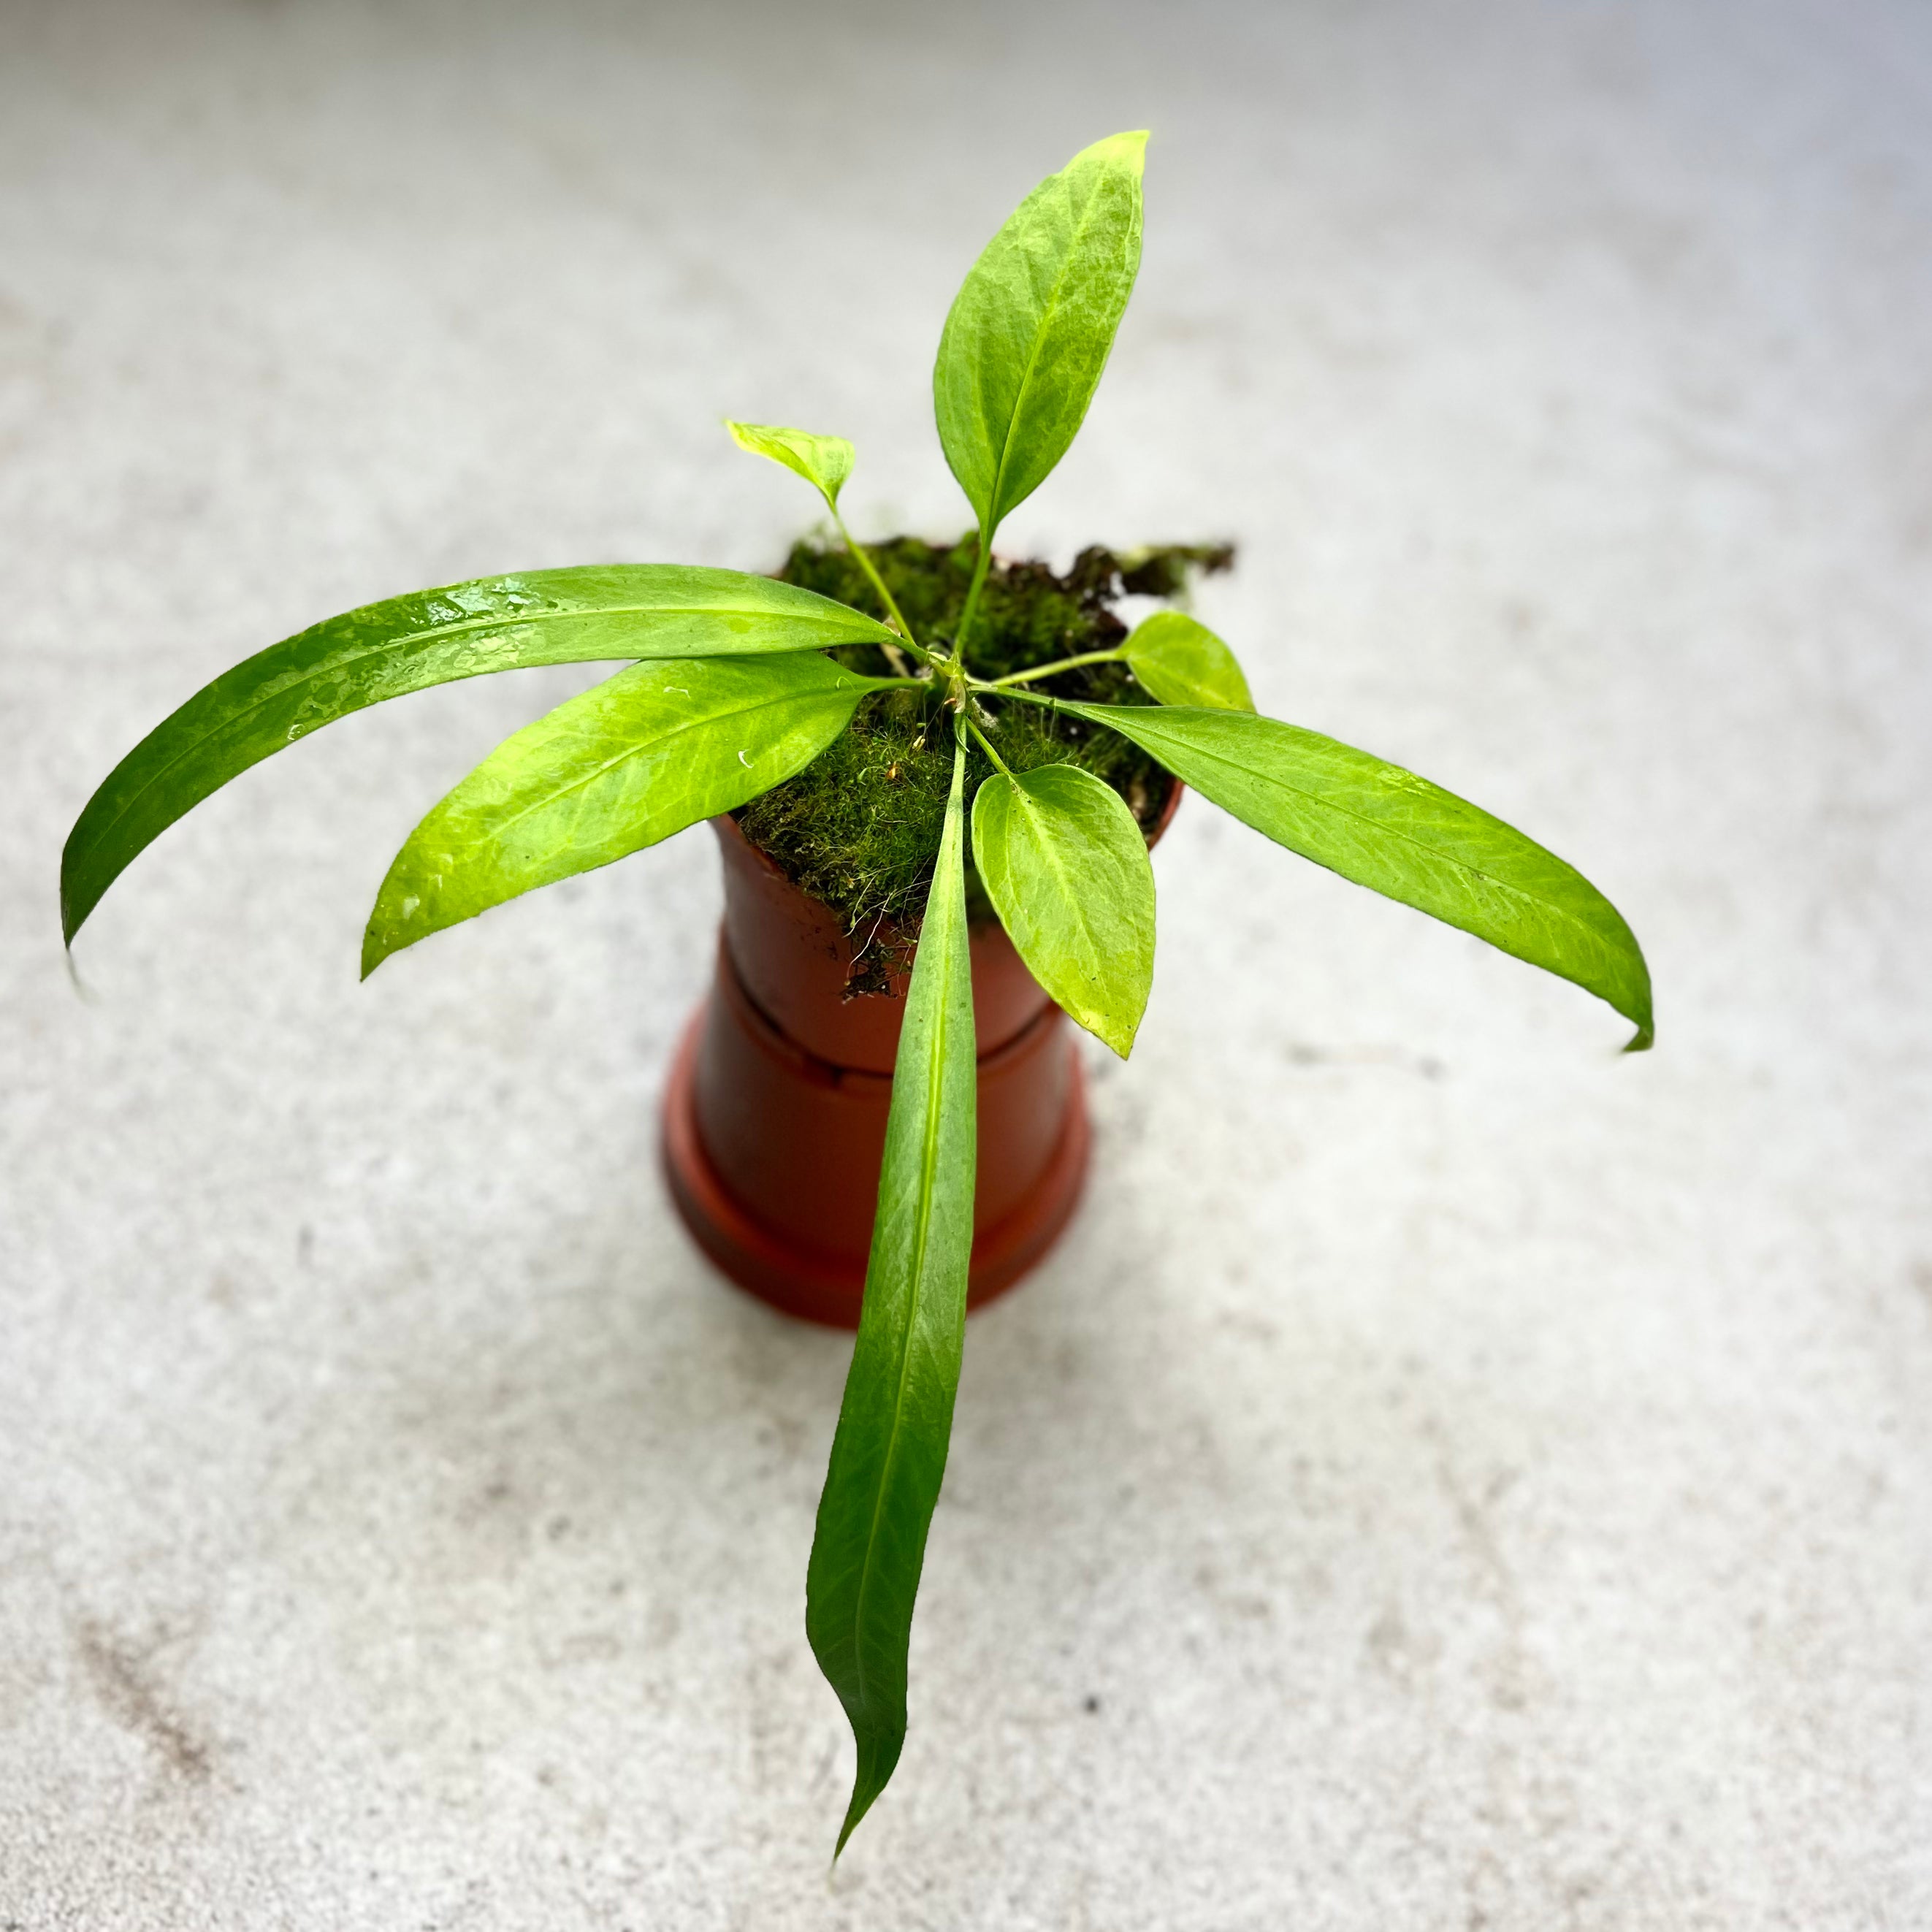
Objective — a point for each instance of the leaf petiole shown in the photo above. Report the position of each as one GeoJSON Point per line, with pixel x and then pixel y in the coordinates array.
{"type": "Point", "coordinates": [864, 559]}
{"type": "Point", "coordinates": [986, 746]}
{"type": "Point", "coordinates": [1054, 670]}
{"type": "Point", "coordinates": [1045, 700]}
{"type": "Point", "coordinates": [980, 567]}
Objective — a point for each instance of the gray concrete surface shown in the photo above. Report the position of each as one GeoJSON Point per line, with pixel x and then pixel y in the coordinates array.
{"type": "Point", "coordinates": [1451, 1476]}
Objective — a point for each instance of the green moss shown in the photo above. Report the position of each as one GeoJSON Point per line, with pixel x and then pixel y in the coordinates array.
{"type": "Point", "coordinates": [859, 827]}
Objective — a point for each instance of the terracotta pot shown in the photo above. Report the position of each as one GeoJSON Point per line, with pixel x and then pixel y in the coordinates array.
{"type": "Point", "coordinates": [774, 1118]}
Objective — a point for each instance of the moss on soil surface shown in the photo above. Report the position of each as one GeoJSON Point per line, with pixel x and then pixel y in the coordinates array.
{"type": "Point", "coordinates": [859, 827]}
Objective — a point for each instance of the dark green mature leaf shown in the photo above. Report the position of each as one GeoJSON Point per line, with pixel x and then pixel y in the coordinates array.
{"type": "Point", "coordinates": [1066, 866]}
{"type": "Point", "coordinates": [1385, 828]}
{"type": "Point", "coordinates": [889, 1454]}
{"type": "Point", "coordinates": [824, 461]}
{"type": "Point", "coordinates": [1180, 661]}
{"type": "Point", "coordinates": [406, 643]}
{"type": "Point", "coordinates": [634, 759]}
{"type": "Point", "coordinates": [1029, 332]}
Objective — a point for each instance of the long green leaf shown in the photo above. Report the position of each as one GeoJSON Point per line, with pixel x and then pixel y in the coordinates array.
{"type": "Point", "coordinates": [1180, 661]}
{"type": "Point", "coordinates": [824, 461]}
{"type": "Point", "coordinates": [889, 1453]}
{"type": "Point", "coordinates": [406, 643]}
{"type": "Point", "coordinates": [634, 759]}
{"type": "Point", "coordinates": [1386, 828]}
{"type": "Point", "coordinates": [1029, 332]}
{"type": "Point", "coordinates": [1066, 866]}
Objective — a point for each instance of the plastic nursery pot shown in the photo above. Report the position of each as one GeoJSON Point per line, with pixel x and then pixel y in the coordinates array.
{"type": "Point", "coordinates": [774, 1117]}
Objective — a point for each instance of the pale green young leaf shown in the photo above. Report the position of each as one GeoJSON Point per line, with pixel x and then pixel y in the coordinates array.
{"type": "Point", "coordinates": [889, 1453]}
{"type": "Point", "coordinates": [1067, 868]}
{"type": "Point", "coordinates": [824, 461]}
{"type": "Point", "coordinates": [634, 759]}
{"type": "Point", "coordinates": [1030, 331]}
{"type": "Point", "coordinates": [1180, 661]}
{"type": "Point", "coordinates": [384, 650]}
{"type": "Point", "coordinates": [1385, 828]}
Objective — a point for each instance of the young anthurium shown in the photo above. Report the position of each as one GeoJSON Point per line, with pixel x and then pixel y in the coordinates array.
{"type": "Point", "coordinates": [736, 683]}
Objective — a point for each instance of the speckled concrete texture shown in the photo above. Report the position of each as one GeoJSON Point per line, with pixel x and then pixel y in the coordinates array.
{"type": "Point", "coordinates": [1451, 1476]}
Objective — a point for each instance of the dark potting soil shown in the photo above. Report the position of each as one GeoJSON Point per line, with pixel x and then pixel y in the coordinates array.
{"type": "Point", "coordinates": [858, 828]}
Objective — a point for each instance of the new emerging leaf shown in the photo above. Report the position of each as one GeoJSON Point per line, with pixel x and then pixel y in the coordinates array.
{"type": "Point", "coordinates": [889, 1453]}
{"type": "Point", "coordinates": [1180, 661]}
{"type": "Point", "coordinates": [633, 760]}
{"type": "Point", "coordinates": [1067, 868]}
{"type": "Point", "coordinates": [1385, 828]}
{"type": "Point", "coordinates": [403, 644]}
{"type": "Point", "coordinates": [1030, 331]}
{"type": "Point", "coordinates": [824, 461]}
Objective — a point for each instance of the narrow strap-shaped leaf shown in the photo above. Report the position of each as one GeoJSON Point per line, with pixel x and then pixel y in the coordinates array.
{"type": "Point", "coordinates": [1180, 661]}
{"type": "Point", "coordinates": [630, 761]}
{"type": "Point", "coordinates": [1066, 866]}
{"type": "Point", "coordinates": [889, 1454]}
{"type": "Point", "coordinates": [824, 461]}
{"type": "Point", "coordinates": [1029, 332]}
{"type": "Point", "coordinates": [614, 611]}
{"type": "Point", "coordinates": [1386, 828]}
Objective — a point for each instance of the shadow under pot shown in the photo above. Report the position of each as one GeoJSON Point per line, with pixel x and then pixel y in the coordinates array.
{"type": "Point", "coordinates": [774, 1117]}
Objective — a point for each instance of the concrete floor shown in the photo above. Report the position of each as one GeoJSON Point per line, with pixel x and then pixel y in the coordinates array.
{"type": "Point", "coordinates": [1451, 1476]}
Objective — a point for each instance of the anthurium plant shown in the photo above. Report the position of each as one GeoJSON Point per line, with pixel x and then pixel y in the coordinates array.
{"type": "Point", "coordinates": [734, 683]}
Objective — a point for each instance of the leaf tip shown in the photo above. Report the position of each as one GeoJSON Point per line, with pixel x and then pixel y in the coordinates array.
{"type": "Point", "coordinates": [1114, 1032]}
{"type": "Point", "coordinates": [861, 1803]}
{"type": "Point", "coordinates": [74, 904]}
{"type": "Point", "coordinates": [1124, 153]}
{"type": "Point", "coordinates": [1639, 1012]}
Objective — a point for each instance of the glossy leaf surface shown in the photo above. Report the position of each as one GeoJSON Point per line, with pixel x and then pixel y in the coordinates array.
{"type": "Point", "coordinates": [1385, 828]}
{"type": "Point", "coordinates": [634, 759]}
{"type": "Point", "coordinates": [824, 461]}
{"type": "Point", "coordinates": [1180, 661]}
{"type": "Point", "coordinates": [889, 1454]}
{"type": "Point", "coordinates": [1030, 331]}
{"type": "Point", "coordinates": [1067, 868]}
{"type": "Point", "coordinates": [406, 643]}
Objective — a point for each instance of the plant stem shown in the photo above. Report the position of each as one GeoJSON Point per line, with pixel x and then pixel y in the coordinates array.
{"type": "Point", "coordinates": [986, 744]}
{"type": "Point", "coordinates": [878, 583]}
{"type": "Point", "coordinates": [1113, 656]}
{"type": "Point", "coordinates": [981, 565]}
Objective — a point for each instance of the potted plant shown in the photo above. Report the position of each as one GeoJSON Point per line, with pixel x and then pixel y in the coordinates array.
{"type": "Point", "coordinates": [776, 1113]}
{"type": "Point", "coordinates": [1028, 761]}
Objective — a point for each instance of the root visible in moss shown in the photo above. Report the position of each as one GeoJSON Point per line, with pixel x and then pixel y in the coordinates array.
{"type": "Point", "coordinates": [859, 827]}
